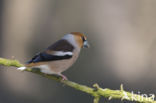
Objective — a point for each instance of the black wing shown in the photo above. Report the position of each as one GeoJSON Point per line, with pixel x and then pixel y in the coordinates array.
{"type": "Point", "coordinates": [61, 45]}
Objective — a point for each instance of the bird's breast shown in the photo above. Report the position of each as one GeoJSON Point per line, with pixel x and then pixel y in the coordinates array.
{"type": "Point", "coordinates": [62, 65]}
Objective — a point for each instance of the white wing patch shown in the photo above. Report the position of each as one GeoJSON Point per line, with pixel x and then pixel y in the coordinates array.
{"type": "Point", "coordinates": [60, 53]}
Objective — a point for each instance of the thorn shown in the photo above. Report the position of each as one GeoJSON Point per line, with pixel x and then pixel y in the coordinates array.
{"type": "Point", "coordinates": [96, 87]}
{"type": "Point", "coordinates": [121, 87]}
{"type": "Point", "coordinates": [110, 98]}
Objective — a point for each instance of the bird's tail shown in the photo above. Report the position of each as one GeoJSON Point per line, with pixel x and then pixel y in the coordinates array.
{"type": "Point", "coordinates": [21, 68]}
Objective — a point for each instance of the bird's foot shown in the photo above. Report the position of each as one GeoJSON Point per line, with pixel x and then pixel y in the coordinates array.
{"type": "Point", "coordinates": [63, 77]}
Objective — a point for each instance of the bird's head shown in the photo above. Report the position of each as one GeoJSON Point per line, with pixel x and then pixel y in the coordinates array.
{"type": "Point", "coordinates": [81, 39]}
{"type": "Point", "coordinates": [77, 39]}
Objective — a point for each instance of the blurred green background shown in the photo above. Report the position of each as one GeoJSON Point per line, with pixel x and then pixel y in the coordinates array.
{"type": "Point", "coordinates": [122, 35]}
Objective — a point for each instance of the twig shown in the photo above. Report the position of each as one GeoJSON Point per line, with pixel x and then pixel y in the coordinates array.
{"type": "Point", "coordinates": [96, 91]}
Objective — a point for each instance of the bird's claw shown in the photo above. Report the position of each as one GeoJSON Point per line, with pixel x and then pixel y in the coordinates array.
{"type": "Point", "coordinates": [63, 77]}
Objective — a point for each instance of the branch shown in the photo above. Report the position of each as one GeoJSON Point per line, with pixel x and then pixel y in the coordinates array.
{"type": "Point", "coordinates": [95, 91]}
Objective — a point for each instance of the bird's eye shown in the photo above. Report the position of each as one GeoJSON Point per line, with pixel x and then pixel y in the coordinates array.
{"type": "Point", "coordinates": [83, 38]}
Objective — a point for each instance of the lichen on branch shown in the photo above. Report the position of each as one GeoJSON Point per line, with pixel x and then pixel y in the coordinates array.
{"type": "Point", "coordinates": [95, 91]}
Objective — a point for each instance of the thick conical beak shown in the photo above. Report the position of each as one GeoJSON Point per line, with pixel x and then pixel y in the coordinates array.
{"type": "Point", "coordinates": [86, 44]}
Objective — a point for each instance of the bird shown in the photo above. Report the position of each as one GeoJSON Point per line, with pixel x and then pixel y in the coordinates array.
{"type": "Point", "coordinates": [59, 56]}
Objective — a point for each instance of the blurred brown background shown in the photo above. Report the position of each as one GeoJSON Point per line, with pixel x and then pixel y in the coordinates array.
{"type": "Point", "coordinates": [121, 34]}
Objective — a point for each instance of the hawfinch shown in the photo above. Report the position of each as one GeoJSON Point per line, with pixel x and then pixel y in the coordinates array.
{"type": "Point", "coordinates": [59, 56]}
